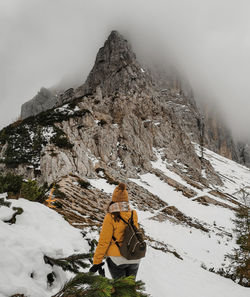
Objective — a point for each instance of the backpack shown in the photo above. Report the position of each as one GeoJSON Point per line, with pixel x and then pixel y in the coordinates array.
{"type": "Point", "coordinates": [133, 246]}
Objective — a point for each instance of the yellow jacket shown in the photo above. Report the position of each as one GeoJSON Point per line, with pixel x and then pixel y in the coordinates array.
{"type": "Point", "coordinates": [106, 245]}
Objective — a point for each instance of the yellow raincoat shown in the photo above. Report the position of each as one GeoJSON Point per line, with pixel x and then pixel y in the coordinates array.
{"type": "Point", "coordinates": [106, 245]}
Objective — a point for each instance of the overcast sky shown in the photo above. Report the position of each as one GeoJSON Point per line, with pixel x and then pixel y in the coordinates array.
{"type": "Point", "coordinates": [43, 41]}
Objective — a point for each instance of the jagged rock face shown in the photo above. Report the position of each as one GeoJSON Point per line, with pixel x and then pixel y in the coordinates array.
{"type": "Point", "coordinates": [218, 137]}
{"type": "Point", "coordinates": [91, 210]}
{"type": "Point", "coordinates": [116, 70]}
{"type": "Point", "coordinates": [65, 97]}
{"type": "Point", "coordinates": [125, 117]}
{"type": "Point", "coordinates": [119, 134]}
{"type": "Point", "coordinates": [196, 120]}
{"type": "Point", "coordinates": [44, 100]}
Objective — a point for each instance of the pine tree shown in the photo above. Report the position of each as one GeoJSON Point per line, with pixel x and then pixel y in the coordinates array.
{"type": "Point", "coordinates": [241, 256]}
{"type": "Point", "coordinates": [90, 285]}
{"type": "Point", "coordinates": [71, 263]}
{"type": "Point", "coordinates": [31, 190]}
{"type": "Point", "coordinates": [10, 183]}
{"type": "Point", "coordinates": [201, 127]}
{"type": "Point", "coordinates": [4, 203]}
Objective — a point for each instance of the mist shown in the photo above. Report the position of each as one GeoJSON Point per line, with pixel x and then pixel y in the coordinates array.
{"type": "Point", "coordinates": [43, 42]}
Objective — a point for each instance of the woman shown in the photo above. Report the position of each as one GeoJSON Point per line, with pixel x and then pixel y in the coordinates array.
{"type": "Point", "coordinates": [113, 226]}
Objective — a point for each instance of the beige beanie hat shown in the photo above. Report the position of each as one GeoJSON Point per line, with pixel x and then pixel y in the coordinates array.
{"type": "Point", "coordinates": [120, 193]}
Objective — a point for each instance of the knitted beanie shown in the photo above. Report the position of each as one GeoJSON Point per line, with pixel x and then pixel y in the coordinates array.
{"type": "Point", "coordinates": [120, 193]}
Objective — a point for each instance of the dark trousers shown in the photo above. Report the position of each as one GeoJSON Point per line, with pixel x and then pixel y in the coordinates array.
{"type": "Point", "coordinates": [118, 271]}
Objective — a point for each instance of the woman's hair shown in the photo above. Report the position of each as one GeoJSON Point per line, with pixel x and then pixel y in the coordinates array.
{"type": "Point", "coordinates": [115, 215]}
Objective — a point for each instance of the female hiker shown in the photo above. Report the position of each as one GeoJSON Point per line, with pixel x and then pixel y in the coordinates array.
{"type": "Point", "coordinates": [112, 235]}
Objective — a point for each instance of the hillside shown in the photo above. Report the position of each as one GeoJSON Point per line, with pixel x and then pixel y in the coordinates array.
{"type": "Point", "coordinates": [121, 126]}
{"type": "Point", "coordinates": [183, 234]}
{"type": "Point", "coordinates": [117, 118]}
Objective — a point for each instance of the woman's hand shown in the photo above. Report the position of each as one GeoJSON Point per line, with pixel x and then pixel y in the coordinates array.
{"type": "Point", "coordinates": [95, 267]}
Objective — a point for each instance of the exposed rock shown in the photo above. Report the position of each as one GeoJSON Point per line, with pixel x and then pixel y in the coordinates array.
{"type": "Point", "coordinates": [44, 100]}
{"type": "Point", "coordinates": [116, 70]}
{"type": "Point", "coordinates": [127, 117]}
{"type": "Point", "coordinates": [205, 200]}
{"type": "Point", "coordinates": [172, 214]}
{"type": "Point", "coordinates": [65, 97]}
{"type": "Point", "coordinates": [224, 196]}
{"type": "Point", "coordinates": [218, 137]}
{"type": "Point", "coordinates": [114, 126]}
{"type": "Point", "coordinates": [189, 193]}
{"type": "Point", "coordinates": [200, 123]}
{"type": "Point", "coordinates": [86, 206]}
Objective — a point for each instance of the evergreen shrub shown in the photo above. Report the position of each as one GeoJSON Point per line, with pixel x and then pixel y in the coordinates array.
{"type": "Point", "coordinates": [30, 190]}
{"type": "Point", "coordinates": [10, 183]}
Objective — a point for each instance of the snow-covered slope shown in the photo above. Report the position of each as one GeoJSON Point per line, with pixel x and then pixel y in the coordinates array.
{"type": "Point", "coordinates": [166, 275]}
{"type": "Point", "coordinates": [235, 177]}
{"type": "Point", "coordinates": [40, 230]}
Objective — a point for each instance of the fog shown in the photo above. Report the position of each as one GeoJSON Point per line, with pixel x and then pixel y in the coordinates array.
{"type": "Point", "coordinates": [45, 41]}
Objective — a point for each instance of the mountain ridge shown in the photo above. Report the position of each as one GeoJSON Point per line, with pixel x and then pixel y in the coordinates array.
{"type": "Point", "coordinates": [100, 134]}
{"type": "Point", "coordinates": [144, 120]}
{"type": "Point", "coordinates": [116, 70]}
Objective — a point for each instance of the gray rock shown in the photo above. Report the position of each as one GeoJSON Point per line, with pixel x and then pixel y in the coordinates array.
{"type": "Point", "coordinates": [65, 97]}
{"type": "Point", "coordinates": [129, 118]}
{"type": "Point", "coordinates": [44, 100]}
{"type": "Point", "coordinates": [115, 70]}
{"type": "Point", "coordinates": [194, 118]}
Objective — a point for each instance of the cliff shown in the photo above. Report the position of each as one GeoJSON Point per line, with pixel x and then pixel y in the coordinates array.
{"type": "Point", "coordinates": [115, 120]}
{"type": "Point", "coordinates": [44, 100]}
{"type": "Point", "coordinates": [124, 125]}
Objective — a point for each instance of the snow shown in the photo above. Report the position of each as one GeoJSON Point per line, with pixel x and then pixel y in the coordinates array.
{"type": "Point", "coordinates": [190, 208]}
{"type": "Point", "coordinates": [48, 132]}
{"type": "Point", "coordinates": [64, 109]}
{"type": "Point", "coordinates": [162, 165]}
{"type": "Point", "coordinates": [165, 275]}
{"type": "Point", "coordinates": [77, 108]}
{"type": "Point", "coordinates": [6, 213]}
{"type": "Point", "coordinates": [92, 158]}
{"type": "Point", "coordinates": [41, 231]}
{"type": "Point", "coordinates": [102, 185]}
{"type": "Point", "coordinates": [191, 243]}
{"type": "Point", "coordinates": [233, 175]}
{"type": "Point", "coordinates": [119, 162]}
{"type": "Point", "coordinates": [38, 231]}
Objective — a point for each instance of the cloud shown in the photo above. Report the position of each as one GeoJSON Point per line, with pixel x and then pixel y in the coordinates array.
{"type": "Point", "coordinates": [208, 41]}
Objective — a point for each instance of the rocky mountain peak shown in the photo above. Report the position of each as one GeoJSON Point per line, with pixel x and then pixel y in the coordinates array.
{"type": "Point", "coordinates": [116, 50]}
{"type": "Point", "coordinates": [115, 68]}
{"type": "Point", "coordinates": [44, 99]}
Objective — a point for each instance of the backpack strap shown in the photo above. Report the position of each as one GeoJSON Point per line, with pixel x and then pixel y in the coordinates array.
{"type": "Point", "coordinates": [130, 220]}
{"type": "Point", "coordinates": [116, 242]}
{"type": "Point", "coordinates": [123, 220]}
